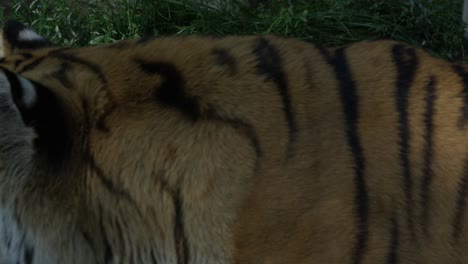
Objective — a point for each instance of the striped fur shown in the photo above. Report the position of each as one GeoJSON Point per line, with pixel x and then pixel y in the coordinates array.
{"type": "Point", "coordinates": [233, 150]}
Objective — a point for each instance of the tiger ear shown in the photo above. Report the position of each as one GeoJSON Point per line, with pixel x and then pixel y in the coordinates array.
{"type": "Point", "coordinates": [16, 36]}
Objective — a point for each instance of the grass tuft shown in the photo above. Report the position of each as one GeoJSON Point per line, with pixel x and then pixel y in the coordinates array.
{"type": "Point", "coordinates": [433, 25]}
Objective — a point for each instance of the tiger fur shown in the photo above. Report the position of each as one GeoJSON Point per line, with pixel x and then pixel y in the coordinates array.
{"type": "Point", "coordinates": [236, 149]}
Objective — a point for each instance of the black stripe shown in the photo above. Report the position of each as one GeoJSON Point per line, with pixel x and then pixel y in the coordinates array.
{"type": "Point", "coordinates": [459, 214]}
{"type": "Point", "coordinates": [111, 187]}
{"type": "Point", "coordinates": [153, 258]}
{"type": "Point", "coordinates": [249, 132]}
{"type": "Point", "coordinates": [460, 70]}
{"type": "Point", "coordinates": [225, 58]}
{"type": "Point", "coordinates": [30, 62]}
{"type": "Point", "coordinates": [121, 240]}
{"type": "Point", "coordinates": [17, 63]}
{"type": "Point", "coordinates": [244, 128]}
{"type": "Point", "coordinates": [349, 100]}
{"type": "Point", "coordinates": [108, 253]}
{"type": "Point", "coordinates": [181, 243]}
{"type": "Point", "coordinates": [392, 257]}
{"type": "Point", "coordinates": [26, 55]}
{"type": "Point", "coordinates": [16, 216]}
{"type": "Point", "coordinates": [21, 245]}
{"type": "Point", "coordinates": [172, 92]}
{"type": "Point", "coordinates": [28, 255]}
{"type": "Point", "coordinates": [62, 76]}
{"type": "Point", "coordinates": [96, 69]}
{"type": "Point", "coordinates": [91, 66]}
{"type": "Point", "coordinates": [30, 65]}
{"type": "Point", "coordinates": [428, 149]}
{"type": "Point", "coordinates": [101, 124]}
{"type": "Point", "coordinates": [16, 90]}
{"type": "Point", "coordinates": [89, 242]}
{"type": "Point", "coordinates": [270, 65]}
{"type": "Point", "coordinates": [327, 54]}
{"type": "Point", "coordinates": [406, 62]}
{"type": "Point", "coordinates": [6, 233]}
{"type": "Point", "coordinates": [86, 126]}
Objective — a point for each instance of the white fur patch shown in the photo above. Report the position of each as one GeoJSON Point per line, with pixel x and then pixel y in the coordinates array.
{"type": "Point", "coordinates": [27, 34]}
{"type": "Point", "coordinates": [29, 92]}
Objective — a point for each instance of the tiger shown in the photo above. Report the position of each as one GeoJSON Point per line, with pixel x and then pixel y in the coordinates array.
{"type": "Point", "coordinates": [230, 150]}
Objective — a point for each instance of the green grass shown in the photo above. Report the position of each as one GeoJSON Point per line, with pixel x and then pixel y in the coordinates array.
{"type": "Point", "coordinates": [434, 25]}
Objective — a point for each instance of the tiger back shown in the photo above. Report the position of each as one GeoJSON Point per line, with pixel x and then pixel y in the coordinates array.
{"type": "Point", "coordinates": [240, 149]}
